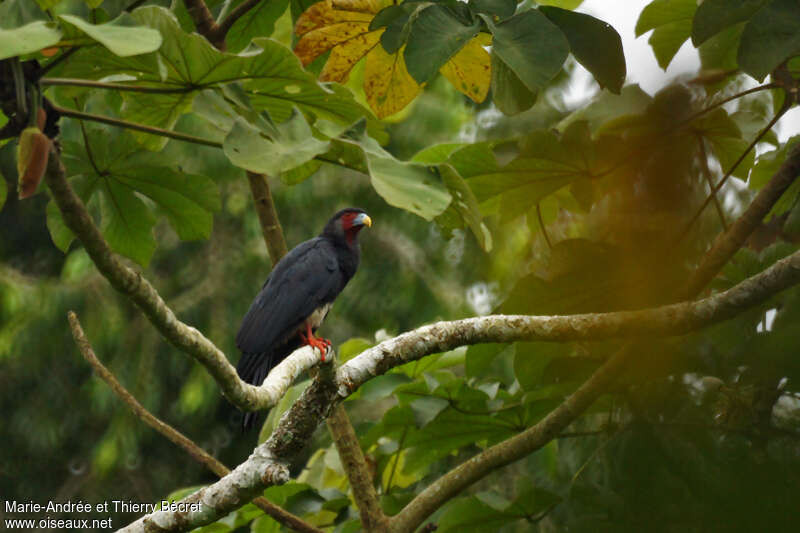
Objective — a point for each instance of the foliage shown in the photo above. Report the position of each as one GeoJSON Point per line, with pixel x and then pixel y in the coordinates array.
{"type": "Point", "coordinates": [554, 210]}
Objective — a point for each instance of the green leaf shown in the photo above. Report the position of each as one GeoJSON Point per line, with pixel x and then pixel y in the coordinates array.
{"type": "Point", "coordinates": [466, 205]}
{"type": "Point", "coordinates": [471, 514]}
{"type": "Point", "coordinates": [509, 94]}
{"type": "Point", "coordinates": [671, 21]}
{"type": "Point", "coordinates": [632, 100]}
{"type": "Point", "coordinates": [259, 21]}
{"type": "Point", "coordinates": [28, 39]}
{"type": "Point", "coordinates": [713, 16]}
{"type": "Point", "coordinates": [726, 141]}
{"type": "Point", "coordinates": [186, 199]}
{"type": "Point", "coordinates": [594, 43]}
{"type": "Point", "coordinates": [501, 8]}
{"type": "Point", "coordinates": [565, 4]}
{"type": "Point", "coordinates": [766, 167]}
{"type": "Point", "coordinates": [268, 74]}
{"type": "Point", "coordinates": [531, 360]}
{"type": "Point", "coordinates": [720, 51]}
{"type": "Point", "coordinates": [770, 38]}
{"type": "Point", "coordinates": [436, 35]}
{"type": "Point", "coordinates": [116, 170]}
{"type": "Point", "coordinates": [122, 36]}
{"type": "Point", "coordinates": [271, 149]}
{"type": "Point", "coordinates": [126, 222]}
{"type": "Point", "coordinates": [548, 164]}
{"type": "Point", "coordinates": [17, 13]}
{"type": "Point", "coordinates": [533, 47]}
{"type": "Point", "coordinates": [61, 235]}
{"type": "Point", "coordinates": [410, 186]}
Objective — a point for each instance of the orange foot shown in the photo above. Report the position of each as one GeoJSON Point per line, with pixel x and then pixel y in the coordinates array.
{"type": "Point", "coordinates": [316, 342]}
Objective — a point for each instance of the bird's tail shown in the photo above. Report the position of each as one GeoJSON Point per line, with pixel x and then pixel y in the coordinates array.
{"type": "Point", "coordinates": [253, 368]}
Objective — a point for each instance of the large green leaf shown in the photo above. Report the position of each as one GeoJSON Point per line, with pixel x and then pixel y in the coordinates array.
{"type": "Point", "coordinates": [487, 512]}
{"type": "Point", "coordinates": [509, 94]}
{"type": "Point", "coordinates": [770, 38]}
{"type": "Point", "coordinates": [119, 174]}
{"type": "Point", "coordinates": [726, 141]}
{"type": "Point", "coordinates": [547, 164]}
{"type": "Point", "coordinates": [533, 47]}
{"type": "Point", "coordinates": [471, 514]}
{"type": "Point", "coordinates": [122, 36]}
{"type": "Point", "coordinates": [17, 13]}
{"type": "Point", "coordinates": [272, 149]}
{"type": "Point", "coordinates": [407, 185]}
{"type": "Point", "coordinates": [713, 16]}
{"type": "Point", "coordinates": [126, 222]}
{"type": "Point", "coordinates": [259, 21]}
{"type": "Point", "coordinates": [766, 167]}
{"type": "Point", "coordinates": [671, 22]}
{"type": "Point", "coordinates": [28, 39]}
{"type": "Point", "coordinates": [501, 8]}
{"type": "Point", "coordinates": [436, 35]}
{"type": "Point", "coordinates": [268, 72]}
{"type": "Point", "coordinates": [594, 43]}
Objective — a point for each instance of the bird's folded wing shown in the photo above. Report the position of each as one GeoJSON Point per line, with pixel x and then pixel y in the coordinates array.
{"type": "Point", "coordinates": [305, 279]}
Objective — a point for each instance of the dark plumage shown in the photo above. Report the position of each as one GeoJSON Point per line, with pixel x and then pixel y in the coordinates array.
{"type": "Point", "coordinates": [296, 297]}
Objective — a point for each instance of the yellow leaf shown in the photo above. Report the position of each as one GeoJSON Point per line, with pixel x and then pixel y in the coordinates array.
{"type": "Point", "coordinates": [318, 41]}
{"type": "Point", "coordinates": [325, 13]}
{"type": "Point", "coordinates": [470, 70]}
{"type": "Point", "coordinates": [388, 85]}
{"type": "Point", "coordinates": [344, 57]}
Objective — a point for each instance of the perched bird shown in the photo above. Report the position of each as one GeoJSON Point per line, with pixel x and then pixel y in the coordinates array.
{"type": "Point", "coordinates": [296, 297]}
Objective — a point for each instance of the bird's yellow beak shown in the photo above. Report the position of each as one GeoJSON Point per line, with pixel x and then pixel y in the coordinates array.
{"type": "Point", "coordinates": [364, 220]}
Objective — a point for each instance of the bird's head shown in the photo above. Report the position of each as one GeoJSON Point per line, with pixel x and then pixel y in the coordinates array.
{"type": "Point", "coordinates": [347, 223]}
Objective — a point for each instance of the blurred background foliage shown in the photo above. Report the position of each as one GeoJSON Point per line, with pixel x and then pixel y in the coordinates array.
{"type": "Point", "coordinates": [703, 433]}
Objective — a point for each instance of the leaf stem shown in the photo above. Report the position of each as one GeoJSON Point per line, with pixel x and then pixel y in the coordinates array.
{"type": "Point", "coordinates": [73, 113]}
{"type": "Point", "coordinates": [75, 82]}
{"type": "Point", "coordinates": [707, 174]}
{"type": "Point", "coordinates": [718, 186]}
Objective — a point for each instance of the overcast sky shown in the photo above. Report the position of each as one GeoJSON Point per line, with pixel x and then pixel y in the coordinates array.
{"type": "Point", "coordinates": [642, 65]}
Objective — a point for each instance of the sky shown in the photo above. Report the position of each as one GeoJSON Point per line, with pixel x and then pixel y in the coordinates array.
{"type": "Point", "coordinates": [642, 65]}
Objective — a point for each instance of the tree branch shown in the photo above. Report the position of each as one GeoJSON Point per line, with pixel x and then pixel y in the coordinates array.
{"type": "Point", "coordinates": [142, 293]}
{"type": "Point", "coordinates": [266, 466]}
{"type": "Point", "coordinates": [189, 446]}
{"type": "Point", "coordinates": [730, 241]}
{"type": "Point", "coordinates": [203, 21]}
{"type": "Point", "coordinates": [317, 401]}
{"type": "Point", "coordinates": [344, 436]}
{"type": "Point", "coordinates": [267, 216]}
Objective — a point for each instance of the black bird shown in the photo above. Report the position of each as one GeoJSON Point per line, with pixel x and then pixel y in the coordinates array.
{"type": "Point", "coordinates": [296, 297]}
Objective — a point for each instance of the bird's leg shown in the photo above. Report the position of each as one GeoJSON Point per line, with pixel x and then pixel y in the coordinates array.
{"type": "Point", "coordinates": [315, 342]}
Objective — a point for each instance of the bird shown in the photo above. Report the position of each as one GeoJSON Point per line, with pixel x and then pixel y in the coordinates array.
{"type": "Point", "coordinates": [297, 296]}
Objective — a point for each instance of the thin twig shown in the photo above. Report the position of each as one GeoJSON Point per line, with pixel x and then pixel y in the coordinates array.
{"type": "Point", "coordinates": [707, 174]}
{"type": "Point", "coordinates": [173, 435]}
{"type": "Point", "coordinates": [724, 101]}
{"type": "Point", "coordinates": [731, 170]}
{"type": "Point", "coordinates": [541, 225]}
